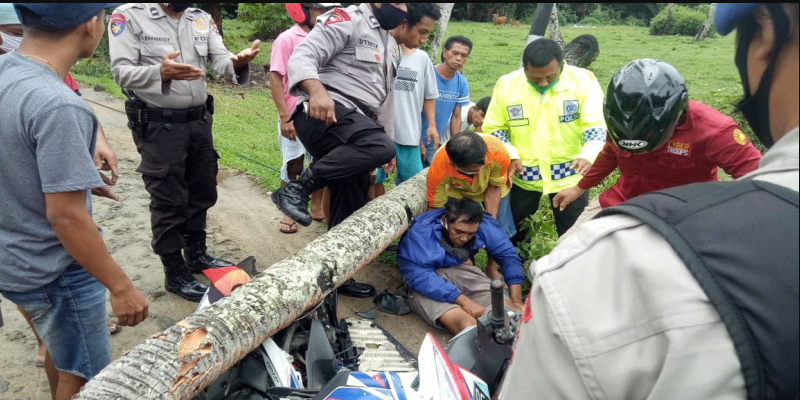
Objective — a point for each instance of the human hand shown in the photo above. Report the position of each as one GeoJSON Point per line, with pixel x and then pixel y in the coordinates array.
{"type": "Point", "coordinates": [473, 309]}
{"type": "Point", "coordinates": [432, 136]}
{"type": "Point", "coordinates": [130, 306]}
{"type": "Point", "coordinates": [423, 151]}
{"type": "Point", "coordinates": [565, 196]}
{"type": "Point", "coordinates": [105, 191]}
{"type": "Point", "coordinates": [245, 56]}
{"type": "Point", "coordinates": [287, 130]}
{"type": "Point", "coordinates": [171, 70]}
{"type": "Point", "coordinates": [516, 306]}
{"type": "Point", "coordinates": [581, 165]}
{"type": "Point", "coordinates": [321, 107]}
{"type": "Point", "coordinates": [389, 167]}
{"type": "Point", "coordinates": [515, 168]}
{"type": "Point", "coordinates": [106, 160]}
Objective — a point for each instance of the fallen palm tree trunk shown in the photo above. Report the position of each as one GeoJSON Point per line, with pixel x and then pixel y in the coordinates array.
{"type": "Point", "coordinates": [180, 361]}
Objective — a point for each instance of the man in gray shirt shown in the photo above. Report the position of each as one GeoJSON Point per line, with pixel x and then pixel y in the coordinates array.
{"type": "Point", "coordinates": [53, 262]}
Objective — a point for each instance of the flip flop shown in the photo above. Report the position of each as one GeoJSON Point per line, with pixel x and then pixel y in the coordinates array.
{"type": "Point", "coordinates": [291, 228]}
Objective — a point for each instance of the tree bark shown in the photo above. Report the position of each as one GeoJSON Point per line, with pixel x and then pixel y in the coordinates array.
{"type": "Point", "coordinates": [669, 18]}
{"type": "Point", "coordinates": [704, 32]}
{"type": "Point", "coordinates": [447, 10]}
{"type": "Point", "coordinates": [554, 29]}
{"type": "Point", "coordinates": [180, 361]}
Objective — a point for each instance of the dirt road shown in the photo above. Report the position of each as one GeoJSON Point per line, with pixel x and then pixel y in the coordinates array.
{"type": "Point", "coordinates": [243, 223]}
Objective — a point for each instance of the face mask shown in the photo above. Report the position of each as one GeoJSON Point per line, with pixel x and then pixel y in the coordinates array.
{"type": "Point", "coordinates": [755, 108]}
{"type": "Point", "coordinates": [178, 7]}
{"type": "Point", "coordinates": [10, 43]}
{"type": "Point", "coordinates": [542, 89]}
{"type": "Point", "coordinates": [388, 16]}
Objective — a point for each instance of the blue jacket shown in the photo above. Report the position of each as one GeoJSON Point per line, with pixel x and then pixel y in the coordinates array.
{"type": "Point", "coordinates": [420, 254]}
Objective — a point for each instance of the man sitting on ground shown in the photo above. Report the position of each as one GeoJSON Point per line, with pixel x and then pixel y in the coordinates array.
{"type": "Point", "coordinates": [436, 259]}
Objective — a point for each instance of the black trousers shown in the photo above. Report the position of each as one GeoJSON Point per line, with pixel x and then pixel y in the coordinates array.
{"type": "Point", "coordinates": [525, 203]}
{"type": "Point", "coordinates": [344, 154]}
{"type": "Point", "coordinates": [179, 169]}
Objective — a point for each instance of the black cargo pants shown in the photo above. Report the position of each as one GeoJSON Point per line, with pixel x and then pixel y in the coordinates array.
{"type": "Point", "coordinates": [179, 169]}
{"type": "Point", "coordinates": [344, 154]}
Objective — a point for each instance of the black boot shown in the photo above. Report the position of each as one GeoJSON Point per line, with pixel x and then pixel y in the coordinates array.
{"type": "Point", "coordinates": [293, 198]}
{"type": "Point", "coordinates": [178, 279]}
{"type": "Point", "coordinates": [195, 253]}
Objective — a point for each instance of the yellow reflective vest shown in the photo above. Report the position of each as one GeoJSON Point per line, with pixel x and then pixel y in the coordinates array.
{"type": "Point", "coordinates": [547, 132]}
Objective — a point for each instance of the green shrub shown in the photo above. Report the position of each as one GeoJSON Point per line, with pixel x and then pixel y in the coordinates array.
{"type": "Point", "coordinates": [270, 19]}
{"type": "Point", "coordinates": [685, 21]}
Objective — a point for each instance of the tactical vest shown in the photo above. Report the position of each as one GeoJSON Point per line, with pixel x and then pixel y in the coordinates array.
{"type": "Point", "coordinates": [740, 241]}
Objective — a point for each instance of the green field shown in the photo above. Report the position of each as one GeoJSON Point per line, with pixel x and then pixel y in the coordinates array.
{"type": "Point", "coordinates": [245, 119]}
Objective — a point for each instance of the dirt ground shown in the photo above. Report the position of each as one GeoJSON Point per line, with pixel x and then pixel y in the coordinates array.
{"type": "Point", "coordinates": [243, 223]}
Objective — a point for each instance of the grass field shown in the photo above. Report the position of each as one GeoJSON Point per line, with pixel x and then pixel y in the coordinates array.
{"type": "Point", "coordinates": [245, 119]}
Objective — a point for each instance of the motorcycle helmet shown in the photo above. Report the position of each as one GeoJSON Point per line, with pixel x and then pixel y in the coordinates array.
{"type": "Point", "coordinates": [298, 12]}
{"type": "Point", "coordinates": [644, 102]}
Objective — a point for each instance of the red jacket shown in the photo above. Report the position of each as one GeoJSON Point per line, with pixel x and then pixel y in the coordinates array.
{"type": "Point", "coordinates": [707, 140]}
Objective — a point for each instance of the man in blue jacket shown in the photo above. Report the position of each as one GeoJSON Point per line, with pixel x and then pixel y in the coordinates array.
{"type": "Point", "coordinates": [436, 259]}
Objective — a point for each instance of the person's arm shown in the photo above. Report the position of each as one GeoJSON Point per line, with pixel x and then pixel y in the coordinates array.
{"type": "Point", "coordinates": [429, 108]}
{"type": "Point", "coordinates": [66, 213]}
{"type": "Point", "coordinates": [235, 68]}
{"type": "Point", "coordinates": [594, 126]}
{"type": "Point", "coordinates": [604, 165]}
{"type": "Point", "coordinates": [276, 88]}
{"type": "Point", "coordinates": [732, 151]}
{"type": "Point", "coordinates": [498, 245]}
{"type": "Point", "coordinates": [495, 123]}
{"type": "Point", "coordinates": [491, 199]}
{"type": "Point", "coordinates": [437, 181]}
{"type": "Point", "coordinates": [455, 121]}
{"type": "Point", "coordinates": [105, 160]}
{"type": "Point", "coordinates": [320, 105]}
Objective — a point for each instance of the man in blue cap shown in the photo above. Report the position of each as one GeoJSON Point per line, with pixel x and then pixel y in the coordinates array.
{"type": "Point", "coordinates": [54, 262]}
{"type": "Point", "coordinates": [696, 296]}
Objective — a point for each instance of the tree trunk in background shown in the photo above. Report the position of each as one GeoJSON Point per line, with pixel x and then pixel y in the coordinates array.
{"type": "Point", "coordinates": [554, 29]}
{"type": "Point", "coordinates": [669, 18]}
{"type": "Point", "coordinates": [704, 32]}
{"type": "Point", "coordinates": [447, 10]}
{"type": "Point", "coordinates": [182, 360]}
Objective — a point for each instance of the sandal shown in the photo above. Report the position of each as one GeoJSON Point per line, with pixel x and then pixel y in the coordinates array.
{"type": "Point", "coordinates": [289, 228]}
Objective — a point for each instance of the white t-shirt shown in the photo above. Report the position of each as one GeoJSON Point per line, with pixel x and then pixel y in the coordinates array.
{"type": "Point", "coordinates": [464, 115]}
{"type": "Point", "coordinates": [416, 82]}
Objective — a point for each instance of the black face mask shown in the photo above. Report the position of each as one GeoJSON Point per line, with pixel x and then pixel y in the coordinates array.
{"type": "Point", "coordinates": [388, 16]}
{"type": "Point", "coordinates": [755, 108]}
{"type": "Point", "coordinates": [178, 7]}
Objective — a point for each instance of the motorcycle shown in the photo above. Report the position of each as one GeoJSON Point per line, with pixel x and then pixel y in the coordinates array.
{"type": "Point", "coordinates": [314, 358]}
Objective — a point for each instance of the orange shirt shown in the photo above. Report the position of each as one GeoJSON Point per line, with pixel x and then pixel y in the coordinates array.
{"type": "Point", "coordinates": [444, 181]}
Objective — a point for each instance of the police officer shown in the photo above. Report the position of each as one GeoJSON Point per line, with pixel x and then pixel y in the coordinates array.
{"type": "Point", "coordinates": [160, 53]}
{"type": "Point", "coordinates": [343, 74]}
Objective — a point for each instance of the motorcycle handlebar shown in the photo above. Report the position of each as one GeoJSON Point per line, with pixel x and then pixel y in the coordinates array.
{"type": "Point", "coordinates": [498, 307]}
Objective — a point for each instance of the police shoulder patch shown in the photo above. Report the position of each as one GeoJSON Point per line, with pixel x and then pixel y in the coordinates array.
{"type": "Point", "coordinates": [739, 137]}
{"type": "Point", "coordinates": [338, 15]}
{"type": "Point", "coordinates": [116, 24]}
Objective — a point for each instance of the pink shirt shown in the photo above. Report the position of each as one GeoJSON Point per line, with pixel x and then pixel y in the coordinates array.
{"type": "Point", "coordinates": [282, 48]}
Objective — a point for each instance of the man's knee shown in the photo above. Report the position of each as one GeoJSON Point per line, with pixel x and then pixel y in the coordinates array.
{"type": "Point", "coordinates": [456, 320]}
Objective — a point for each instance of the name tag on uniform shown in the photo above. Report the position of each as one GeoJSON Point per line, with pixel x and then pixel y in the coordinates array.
{"type": "Point", "coordinates": [368, 55]}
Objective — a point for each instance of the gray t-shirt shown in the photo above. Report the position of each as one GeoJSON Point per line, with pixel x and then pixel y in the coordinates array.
{"type": "Point", "coordinates": [47, 139]}
{"type": "Point", "coordinates": [416, 82]}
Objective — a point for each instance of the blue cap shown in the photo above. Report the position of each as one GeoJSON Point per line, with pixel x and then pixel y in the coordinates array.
{"type": "Point", "coordinates": [58, 17]}
{"type": "Point", "coordinates": [728, 14]}
{"type": "Point", "coordinates": [7, 15]}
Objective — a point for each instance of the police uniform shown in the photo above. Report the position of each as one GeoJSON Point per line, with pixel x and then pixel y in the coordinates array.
{"type": "Point", "coordinates": [357, 62]}
{"type": "Point", "coordinates": [173, 130]}
{"type": "Point", "coordinates": [547, 133]}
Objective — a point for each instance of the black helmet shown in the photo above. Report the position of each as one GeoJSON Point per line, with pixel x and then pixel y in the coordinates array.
{"type": "Point", "coordinates": [645, 101]}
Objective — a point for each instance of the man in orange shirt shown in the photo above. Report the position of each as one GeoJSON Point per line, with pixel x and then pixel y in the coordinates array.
{"type": "Point", "coordinates": [474, 166]}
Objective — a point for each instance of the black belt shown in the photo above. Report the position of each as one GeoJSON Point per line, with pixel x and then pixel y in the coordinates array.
{"type": "Point", "coordinates": [169, 115]}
